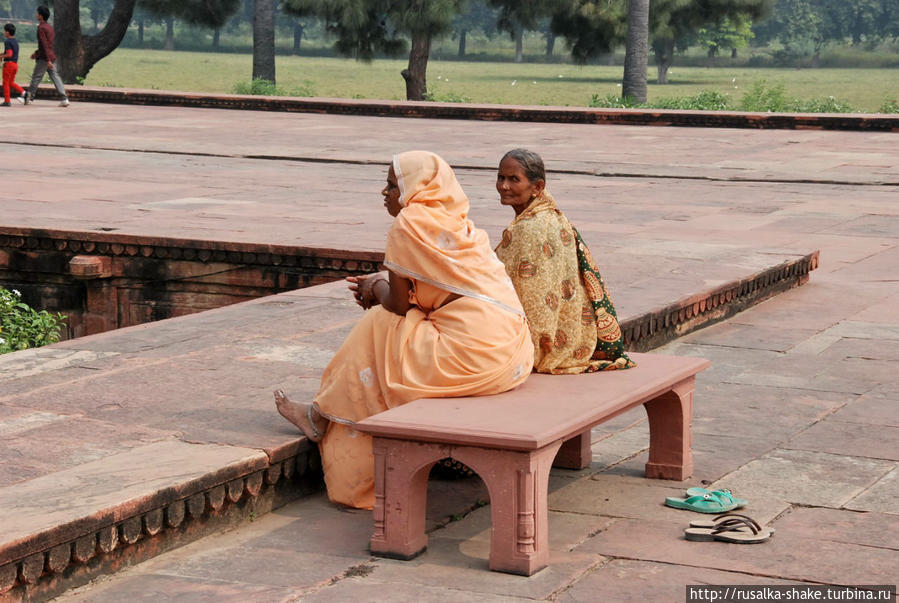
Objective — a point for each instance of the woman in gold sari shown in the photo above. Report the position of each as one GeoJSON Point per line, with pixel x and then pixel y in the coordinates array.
{"type": "Point", "coordinates": [571, 316]}
{"type": "Point", "coordinates": [443, 321]}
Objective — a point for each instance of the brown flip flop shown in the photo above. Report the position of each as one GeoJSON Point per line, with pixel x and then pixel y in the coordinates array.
{"type": "Point", "coordinates": [713, 523]}
{"type": "Point", "coordinates": [738, 529]}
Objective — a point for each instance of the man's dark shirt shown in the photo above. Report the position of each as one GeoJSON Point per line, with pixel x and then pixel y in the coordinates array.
{"type": "Point", "coordinates": [45, 38]}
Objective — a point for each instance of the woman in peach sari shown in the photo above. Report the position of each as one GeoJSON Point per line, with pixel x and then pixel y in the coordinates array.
{"type": "Point", "coordinates": [444, 321]}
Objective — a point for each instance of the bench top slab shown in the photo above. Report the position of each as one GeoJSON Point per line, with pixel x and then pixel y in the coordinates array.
{"type": "Point", "coordinates": [544, 409]}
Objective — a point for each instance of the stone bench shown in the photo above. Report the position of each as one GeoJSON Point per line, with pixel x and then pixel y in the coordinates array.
{"type": "Point", "coordinates": [512, 440]}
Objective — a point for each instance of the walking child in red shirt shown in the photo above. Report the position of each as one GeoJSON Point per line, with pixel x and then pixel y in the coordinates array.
{"type": "Point", "coordinates": [10, 64]}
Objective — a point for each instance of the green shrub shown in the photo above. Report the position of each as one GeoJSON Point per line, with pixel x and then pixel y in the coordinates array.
{"type": "Point", "coordinates": [21, 327]}
{"type": "Point", "coordinates": [260, 87]}
{"type": "Point", "coordinates": [889, 106]}
{"type": "Point", "coordinates": [762, 97]}
{"type": "Point", "coordinates": [822, 105]}
{"type": "Point", "coordinates": [707, 100]}
{"type": "Point", "coordinates": [446, 97]}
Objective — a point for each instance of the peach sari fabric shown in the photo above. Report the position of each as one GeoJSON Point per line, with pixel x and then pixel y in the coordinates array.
{"type": "Point", "coordinates": [478, 344]}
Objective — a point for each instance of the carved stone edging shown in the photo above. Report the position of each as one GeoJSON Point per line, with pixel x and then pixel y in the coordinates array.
{"type": "Point", "coordinates": [183, 250]}
{"type": "Point", "coordinates": [655, 328]}
{"type": "Point", "coordinates": [51, 563]}
{"type": "Point", "coordinates": [486, 112]}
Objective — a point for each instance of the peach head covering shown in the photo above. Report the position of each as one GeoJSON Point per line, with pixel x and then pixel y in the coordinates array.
{"type": "Point", "coordinates": [433, 241]}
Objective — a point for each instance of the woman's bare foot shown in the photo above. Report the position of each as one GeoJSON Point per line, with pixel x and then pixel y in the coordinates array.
{"type": "Point", "coordinates": [304, 416]}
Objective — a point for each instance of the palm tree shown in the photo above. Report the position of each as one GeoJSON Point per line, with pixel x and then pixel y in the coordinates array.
{"type": "Point", "coordinates": [637, 53]}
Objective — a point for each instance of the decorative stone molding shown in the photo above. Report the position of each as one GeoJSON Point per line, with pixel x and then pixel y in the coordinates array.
{"type": "Point", "coordinates": [46, 570]}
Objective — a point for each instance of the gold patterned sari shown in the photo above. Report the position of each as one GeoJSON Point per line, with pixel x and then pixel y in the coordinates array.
{"type": "Point", "coordinates": [571, 316]}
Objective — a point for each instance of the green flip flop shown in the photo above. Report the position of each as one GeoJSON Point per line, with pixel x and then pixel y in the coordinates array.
{"type": "Point", "coordinates": [725, 496]}
{"type": "Point", "coordinates": [703, 503]}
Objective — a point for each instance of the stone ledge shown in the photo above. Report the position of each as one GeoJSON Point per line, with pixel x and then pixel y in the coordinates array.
{"type": "Point", "coordinates": [485, 112]}
{"type": "Point", "coordinates": [658, 327]}
{"type": "Point", "coordinates": [44, 564]}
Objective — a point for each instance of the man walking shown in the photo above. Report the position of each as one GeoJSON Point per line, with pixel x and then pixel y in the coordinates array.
{"type": "Point", "coordinates": [44, 58]}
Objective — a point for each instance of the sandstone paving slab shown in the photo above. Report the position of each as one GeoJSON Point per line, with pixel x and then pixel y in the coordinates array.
{"type": "Point", "coordinates": [706, 151]}
{"type": "Point", "coordinates": [258, 566]}
{"type": "Point", "coordinates": [806, 371]}
{"type": "Point", "coordinates": [863, 348]}
{"type": "Point", "coordinates": [886, 311]}
{"type": "Point", "coordinates": [877, 407]}
{"type": "Point", "coordinates": [75, 440]}
{"type": "Point", "coordinates": [738, 410]}
{"type": "Point", "coordinates": [785, 557]}
{"type": "Point", "coordinates": [778, 338]}
{"type": "Point", "coordinates": [156, 587]}
{"type": "Point", "coordinates": [865, 330]}
{"type": "Point", "coordinates": [615, 447]}
{"type": "Point", "coordinates": [612, 495]}
{"type": "Point", "coordinates": [838, 525]}
{"type": "Point", "coordinates": [853, 439]}
{"type": "Point", "coordinates": [811, 306]}
{"type": "Point", "coordinates": [353, 590]}
{"type": "Point", "coordinates": [105, 491]}
{"type": "Point", "coordinates": [881, 497]}
{"type": "Point", "coordinates": [566, 530]}
{"type": "Point", "coordinates": [630, 580]}
{"type": "Point", "coordinates": [806, 477]}
{"type": "Point", "coordinates": [449, 563]}
{"type": "Point", "coordinates": [727, 362]}
{"type": "Point", "coordinates": [714, 457]}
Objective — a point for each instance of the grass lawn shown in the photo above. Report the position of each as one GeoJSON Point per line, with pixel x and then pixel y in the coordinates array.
{"type": "Point", "coordinates": [487, 82]}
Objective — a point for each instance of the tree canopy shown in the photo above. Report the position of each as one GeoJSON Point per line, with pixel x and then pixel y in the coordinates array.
{"type": "Point", "coordinates": [365, 27]}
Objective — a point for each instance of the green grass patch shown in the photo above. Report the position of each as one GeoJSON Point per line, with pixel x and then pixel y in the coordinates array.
{"type": "Point", "coordinates": [867, 90]}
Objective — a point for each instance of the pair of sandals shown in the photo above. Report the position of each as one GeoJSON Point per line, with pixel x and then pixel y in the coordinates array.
{"type": "Point", "coordinates": [730, 527]}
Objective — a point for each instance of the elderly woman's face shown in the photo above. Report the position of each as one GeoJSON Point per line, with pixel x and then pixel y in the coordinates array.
{"type": "Point", "coordinates": [513, 185]}
{"type": "Point", "coordinates": [391, 194]}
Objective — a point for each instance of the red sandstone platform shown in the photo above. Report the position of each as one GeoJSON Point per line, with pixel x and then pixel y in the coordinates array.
{"type": "Point", "coordinates": [148, 436]}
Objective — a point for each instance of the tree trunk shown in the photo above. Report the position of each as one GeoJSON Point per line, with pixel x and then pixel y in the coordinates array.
{"type": "Point", "coordinates": [169, 34]}
{"type": "Point", "coordinates": [710, 56]}
{"type": "Point", "coordinates": [416, 73]}
{"type": "Point", "coordinates": [636, 56]}
{"type": "Point", "coordinates": [78, 53]}
{"type": "Point", "coordinates": [519, 44]}
{"type": "Point", "coordinates": [733, 53]}
{"type": "Point", "coordinates": [664, 52]}
{"type": "Point", "coordinates": [298, 30]}
{"type": "Point", "coordinates": [264, 40]}
{"type": "Point", "coordinates": [463, 39]}
{"type": "Point", "coordinates": [216, 37]}
{"type": "Point", "coordinates": [550, 43]}
{"type": "Point", "coordinates": [140, 32]}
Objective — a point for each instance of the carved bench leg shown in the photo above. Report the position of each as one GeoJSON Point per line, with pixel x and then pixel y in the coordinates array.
{"type": "Point", "coordinates": [575, 453]}
{"type": "Point", "coordinates": [670, 433]}
{"type": "Point", "coordinates": [518, 484]}
{"type": "Point", "coordinates": [401, 491]}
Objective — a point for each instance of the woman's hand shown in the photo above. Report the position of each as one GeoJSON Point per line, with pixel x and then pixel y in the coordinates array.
{"type": "Point", "coordinates": [363, 288]}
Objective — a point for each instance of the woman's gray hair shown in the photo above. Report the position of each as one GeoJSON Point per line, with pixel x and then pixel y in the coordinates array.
{"type": "Point", "coordinates": [530, 162]}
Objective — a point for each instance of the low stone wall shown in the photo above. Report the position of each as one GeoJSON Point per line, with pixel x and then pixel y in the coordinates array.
{"type": "Point", "coordinates": [104, 282]}
{"type": "Point", "coordinates": [470, 111]}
